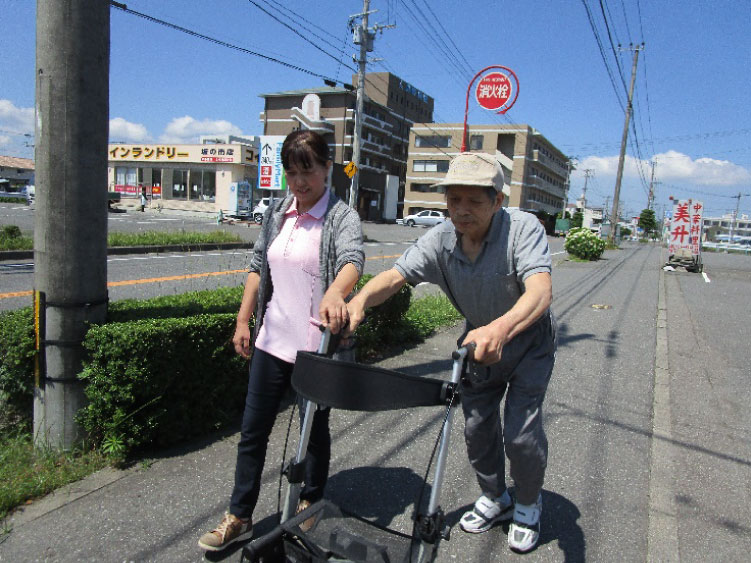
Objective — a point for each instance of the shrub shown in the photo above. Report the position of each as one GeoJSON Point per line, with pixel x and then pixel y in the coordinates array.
{"type": "Point", "coordinates": [584, 244]}
{"type": "Point", "coordinates": [16, 367]}
{"type": "Point", "coordinates": [161, 381]}
{"type": "Point", "coordinates": [383, 322]}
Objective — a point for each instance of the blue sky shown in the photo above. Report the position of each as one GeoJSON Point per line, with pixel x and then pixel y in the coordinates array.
{"type": "Point", "coordinates": [691, 109]}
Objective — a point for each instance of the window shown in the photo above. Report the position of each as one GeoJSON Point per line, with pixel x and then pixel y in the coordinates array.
{"type": "Point", "coordinates": [435, 141]}
{"type": "Point", "coordinates": [179, 184]}
{"type": "Point", "coordinates": [126, 176]}
{"type": "Point", "coordinates": [202, 185]}
{"type": "Point", "coordinates": [427, 188]}
{"type": "Point", "coordinates": [475, 142]}
{"type": "Point", "coordinates": [430, 166]}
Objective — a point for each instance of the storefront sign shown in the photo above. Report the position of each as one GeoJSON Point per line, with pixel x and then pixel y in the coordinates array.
{"type": "Point", "coordinates": [270, 170]}
{"type": "Point", "coordinates": [685, 227]}
{"type": "Point", "coordinates": [223, 153]}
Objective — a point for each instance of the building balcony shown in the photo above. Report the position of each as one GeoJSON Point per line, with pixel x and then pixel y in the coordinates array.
{"type": "Point", "coordinates": [321, 126]}
{"type": "Point", "coordinates": [547, 187]}
{"type": "Point", "coordinates": [549, 163]}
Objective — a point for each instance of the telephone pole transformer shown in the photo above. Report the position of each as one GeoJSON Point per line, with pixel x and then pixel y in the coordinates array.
{"type": "Point", "coordinates": [624, 139]}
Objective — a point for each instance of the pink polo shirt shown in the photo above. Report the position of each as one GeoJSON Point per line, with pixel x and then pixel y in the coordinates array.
{"type": "Point", "coordinates": [291, 319]}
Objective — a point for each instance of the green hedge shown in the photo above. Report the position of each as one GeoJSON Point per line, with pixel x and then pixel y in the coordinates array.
{"type": "Point", "coordinates": [16, 366]}
{"type": "Point", "coordinates": [162, 381]}
{"type": "Point", "coordinates": [163, 370]}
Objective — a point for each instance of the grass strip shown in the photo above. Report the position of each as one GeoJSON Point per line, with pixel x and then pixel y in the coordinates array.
{"type": "Point", "coordinates": [146, 238]}
{"type": "Point", "coordinates": [27, 473]}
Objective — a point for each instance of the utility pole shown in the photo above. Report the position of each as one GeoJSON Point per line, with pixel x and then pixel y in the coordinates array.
{"type": "Point", "coordinates": [624, 139]}
{"type": "Point", "coordinates": [588, 172]}
{"type": "Point", "coordinates": [70, 224]}
{"type": "Point", "coordinates": [652, 184]}
{"type": "Point", "coordinates": [735, 217]}
{"type": "Point", "coordinates": [364, 38]}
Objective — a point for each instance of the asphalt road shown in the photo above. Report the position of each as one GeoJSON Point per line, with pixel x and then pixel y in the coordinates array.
{"type": "Point", "coordinates": [139, 276]}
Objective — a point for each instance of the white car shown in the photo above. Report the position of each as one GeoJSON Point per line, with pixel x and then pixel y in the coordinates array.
{"type": "Point", "coordinates": [259, 209]}
{"type": "Point", "coordinates": [428, 217]}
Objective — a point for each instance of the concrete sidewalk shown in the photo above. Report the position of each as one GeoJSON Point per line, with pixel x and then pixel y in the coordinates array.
{"type": "Point", "coordinates": [157, 509]}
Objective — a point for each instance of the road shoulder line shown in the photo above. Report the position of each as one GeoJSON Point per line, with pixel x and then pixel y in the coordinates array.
{"type": "Point", "coordinates": [662, 537]}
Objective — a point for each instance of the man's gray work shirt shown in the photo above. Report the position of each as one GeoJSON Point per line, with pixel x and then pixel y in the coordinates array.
{"type": "Point", "coordinates": [514, 248]}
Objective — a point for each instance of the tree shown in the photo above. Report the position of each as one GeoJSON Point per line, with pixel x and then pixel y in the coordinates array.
{"type": "Point", "coordinates": [647, 222]}
{"type": "Point", "coordinates": [576, 220]}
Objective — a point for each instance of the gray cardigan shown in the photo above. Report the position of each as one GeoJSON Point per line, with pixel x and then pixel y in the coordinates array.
{"type": "Point", "coordinates": [341, 244]}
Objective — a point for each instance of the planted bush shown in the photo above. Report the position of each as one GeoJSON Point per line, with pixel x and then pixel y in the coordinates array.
{"type": "Point", "coordinates": [16, 367]}
{"type": "Point", "coordinates": [161, 381]}
{"type": "Point", "coordinates": [584, 244]}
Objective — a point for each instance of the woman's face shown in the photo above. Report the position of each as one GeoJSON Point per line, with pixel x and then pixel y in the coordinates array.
{"type": "Point", "coordinates": [307, 184]}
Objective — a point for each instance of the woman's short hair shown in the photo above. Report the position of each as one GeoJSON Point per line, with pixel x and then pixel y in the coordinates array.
{"type": "Point", "coordinates": [304, 148]}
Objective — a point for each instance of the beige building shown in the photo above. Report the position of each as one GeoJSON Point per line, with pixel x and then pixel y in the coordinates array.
{"type": "Point", "coordinates": [391, 107]}
{"type": "Point", "coordinates": [15, 174]}
{"type": "Point", "coordinates": [190, 177]}
{"type": "Point", "coordinates": [535, 170]}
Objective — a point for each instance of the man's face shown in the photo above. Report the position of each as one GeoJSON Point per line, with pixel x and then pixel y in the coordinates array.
{"type": "Point", "coordinates": [471, 210]}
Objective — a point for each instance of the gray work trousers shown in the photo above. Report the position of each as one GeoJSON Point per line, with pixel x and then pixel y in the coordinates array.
{"type": "Point", "coordinates": [522, 376]}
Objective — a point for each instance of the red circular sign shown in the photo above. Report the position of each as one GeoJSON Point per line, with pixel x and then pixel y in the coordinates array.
{"type": "Point", "coordinates": [493, 91]}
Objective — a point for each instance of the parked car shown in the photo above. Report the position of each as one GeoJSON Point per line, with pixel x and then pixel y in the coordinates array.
{"type": "Point", "coordinates": [259, 210]}
{"type": "Point", "coordinates": [428, 217]}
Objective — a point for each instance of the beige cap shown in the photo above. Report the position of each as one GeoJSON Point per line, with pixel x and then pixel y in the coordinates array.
{"type": "Point", "coordinates": [475, 169]}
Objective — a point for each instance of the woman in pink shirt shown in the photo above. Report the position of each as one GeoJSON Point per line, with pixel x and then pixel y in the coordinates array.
{"type": "Point", "coordinates": [305, 262]}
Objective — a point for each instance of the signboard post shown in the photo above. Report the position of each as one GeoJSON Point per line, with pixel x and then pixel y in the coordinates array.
{"type": "Point", "coordinates": [684, 234]}
{"type": "Point", "coordinates": [497, 91]}
{"type": "Point", "coordinates": [270, 170]}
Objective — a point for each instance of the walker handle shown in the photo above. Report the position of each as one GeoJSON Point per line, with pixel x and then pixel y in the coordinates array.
{"type": "Point", "coordinates": [467, 351]}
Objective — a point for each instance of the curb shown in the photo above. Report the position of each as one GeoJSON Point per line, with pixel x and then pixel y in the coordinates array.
{"type": "Point", "coordinates": [118, 250]}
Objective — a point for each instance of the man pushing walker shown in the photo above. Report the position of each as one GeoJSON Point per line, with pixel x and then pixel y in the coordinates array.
{"type": "Point", "coordinates": [494, 266]}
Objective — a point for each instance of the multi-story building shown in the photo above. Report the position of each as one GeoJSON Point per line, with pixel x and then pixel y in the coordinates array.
{"type": "Point", "coordinates": [535, 170]}
{"type": "Point", "coordinates": [390, 109]}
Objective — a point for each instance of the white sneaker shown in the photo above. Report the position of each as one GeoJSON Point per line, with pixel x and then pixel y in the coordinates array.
{"type": "Point", "coordinates": [486, 513]}
{"type": "Point", "coordinates": [524, 531]}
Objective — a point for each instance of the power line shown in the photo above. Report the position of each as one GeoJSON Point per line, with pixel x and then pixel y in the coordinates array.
{"type": "Point", "coordinates": [296, 32]}
{"type": "Point", "coordinates": [602, 54]}
{"type": "Point", "coordinates": [187, 31]}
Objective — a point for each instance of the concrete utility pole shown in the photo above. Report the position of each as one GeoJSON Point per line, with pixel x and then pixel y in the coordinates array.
{"type": "Point", "coordinates": [624, 139]}
{"type": "Point", "coordinates": [362, 37]}
{"type": "Point", "coordinates": [652, 184]}
{"type": "Point", "coordinates": [70, 225]}
{"type": "Point", "coordinates": [588, 172]}
{"type": "Point", "coordinates": [735, 217]}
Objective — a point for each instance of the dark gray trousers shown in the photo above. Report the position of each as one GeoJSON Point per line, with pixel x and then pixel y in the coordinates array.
{"type": "Point", "coordinates": [521, 376]}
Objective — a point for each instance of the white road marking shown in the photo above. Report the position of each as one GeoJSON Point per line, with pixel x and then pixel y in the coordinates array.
{"type": "Point", "coordinates": [705, 276]}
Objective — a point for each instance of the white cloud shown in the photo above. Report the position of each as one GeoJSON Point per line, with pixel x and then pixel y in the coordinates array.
{"type": "Point", "coordinates": [672, 166]}
{"type": "Point", "coordinates": [15, 119]}
{"type": "Point", "coordinates": [127, 132]}
{"type": "Point", "coordinates": [4, 140]}
{"type": "Point", "coordinates": [188, 130]}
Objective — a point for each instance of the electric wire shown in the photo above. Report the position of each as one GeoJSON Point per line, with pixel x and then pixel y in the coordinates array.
{"type": "Point", "coordinates": [296, 32]}
{"type": "Point", "coordinates": [601, 48]}
{"type": "Point", "coordinates": [193, 33]}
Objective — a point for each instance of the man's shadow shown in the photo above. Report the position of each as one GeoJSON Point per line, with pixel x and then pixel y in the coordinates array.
{"type": "Point", "coordinates": [559, 523]}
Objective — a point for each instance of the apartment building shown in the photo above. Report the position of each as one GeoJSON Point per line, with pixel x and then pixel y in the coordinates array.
{"type": "Point", "coordinates": [535, 170]}
{"type": "Point", "coordinates": [391, 107]}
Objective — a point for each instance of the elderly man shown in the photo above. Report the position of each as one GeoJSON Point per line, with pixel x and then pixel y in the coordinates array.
{"type": "Point", "coordinates": [494, 265]}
